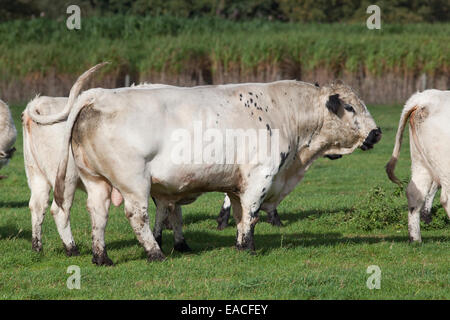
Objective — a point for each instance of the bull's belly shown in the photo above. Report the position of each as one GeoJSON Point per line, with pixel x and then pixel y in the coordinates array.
{"type": "Point", "coordinates": [184, 183]}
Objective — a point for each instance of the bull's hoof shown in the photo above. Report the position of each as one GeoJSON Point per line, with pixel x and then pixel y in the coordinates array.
{"type": "Point", "coordinates": [275, 221]}
{"type": "Point", "coordinates": [72, 251]}
{"type": "Point", "coordinates": [156, 255]}
{"type": "Point", "coordinates": [102, 260]}
{"type": "Point", "coordinates": [415, 241]}
{"type": "Point", "coordinates": [36, 245]}
{"type": "Point", "coordinates": [182, 247]}
{"type": "Point", "coordinates": [246, 247]}
{"type": "Point", "coordinates": [426, 216]}
{"type": "Point", "coordinates": [247, 244]}
{"type": "Point", "coordinates": [221, 224]}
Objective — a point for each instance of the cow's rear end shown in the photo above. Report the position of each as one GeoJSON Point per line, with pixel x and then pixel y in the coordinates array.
{"type": "Point", "coordinates": [428, 114]}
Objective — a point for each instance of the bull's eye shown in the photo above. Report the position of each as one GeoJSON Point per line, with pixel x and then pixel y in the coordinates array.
{"type": "Point", "coordinates": [349, 108]}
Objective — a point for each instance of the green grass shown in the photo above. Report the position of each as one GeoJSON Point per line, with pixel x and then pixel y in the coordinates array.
{"type": "Point", "coordinates": [322, 252]}
{"type": "Point", "coordinates": [144, 44]}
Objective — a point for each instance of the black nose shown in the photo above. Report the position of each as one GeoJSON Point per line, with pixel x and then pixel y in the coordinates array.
{"type": "Point", "coordinates": [333, 156]}
{"type": "Point", "coordinates": [373, 137]}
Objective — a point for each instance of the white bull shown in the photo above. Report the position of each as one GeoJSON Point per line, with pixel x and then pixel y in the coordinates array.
{"type": "Point", "coordinates": [8, 135]}
{"type": "Point", "coordinates": [429, 114]}
{"type": "Point", "coordinates": [40, 144]}
{"type": "Point", "coordinates": [125, 140]}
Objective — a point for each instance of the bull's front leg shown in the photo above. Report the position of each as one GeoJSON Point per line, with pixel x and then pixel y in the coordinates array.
{"type": "Point", "coordinates": [224, 215]}
{"type": "Point", "coordinates": [246, 228]}
{"type": "Point", "coordinates": [250, 201]}
{"type": "Point", "coordinates": [273, 218]}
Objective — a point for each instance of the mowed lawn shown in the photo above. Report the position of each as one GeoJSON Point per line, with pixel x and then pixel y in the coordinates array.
{"type": "Point", "coordinates": [319, 253]}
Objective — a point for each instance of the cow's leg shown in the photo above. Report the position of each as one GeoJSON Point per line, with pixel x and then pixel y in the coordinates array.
{"type": "Point", "coordinates": [248, 218]}
{"type": "Point", "coordinates": [136, 206]}
{"type": "Point", "coordinates": [98, 202]}
{"type": "Point", "coordinates": [224, 214]}
{"type": "Point", "coordinates": [425, 213]}
{"type": "Point", "coordinates": [273, 218]}
{"type": "Point", "coordinates": [62, 221]}
{"type": "Point", "coordinates": [176, 221]}
{"type": "Point", "coordinates": [38, 204]}
{"type": "Point", "coordinates": [62, 218]}
{"type": "Point", "coordinates": [161, 216]}
{"type": "Point", "coordinates": [445, 194]}
{"type": "Point", "coordinates": [418, 189]}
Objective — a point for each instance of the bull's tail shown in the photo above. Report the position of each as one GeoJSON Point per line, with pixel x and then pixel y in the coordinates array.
{"type": "Point", "coordinates": [74, 92]}
{"type": "Point", "coordinates": [71, 118]}
{"type": "Point", "coordinates": [409, 108]}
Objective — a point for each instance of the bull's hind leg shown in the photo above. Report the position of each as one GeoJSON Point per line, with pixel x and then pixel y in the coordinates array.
{"type": "Point", "coordinates": [425, 213]}
{"type": "Point", "coordinates": [273, 218]}
{"type": "Point", "coordinates": [162, 214]}
{"type": "Point", "coordinates": [445, 201]}
{"type": "Point", "coordinates": [170, 213]}
{"type": "Point", "coordinates": [136, 206]}
{"type": "Point", "coordinates": [98, 203]}
{"type": "Point", "coordinates": [62, 220]}
{"type": "Point", "coordinates": [38, 204]}
{"type": "Point", "coordinates": [418, 189]}
{"type": "Point", "coordinates": [176, 221]}
{"type": "Point", "coordinates": [224, 215]}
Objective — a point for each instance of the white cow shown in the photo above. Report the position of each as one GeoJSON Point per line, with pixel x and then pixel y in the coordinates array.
{"type": "Point", "coordinates": [429, 114]}
{"type": "Point", "coordinates": [8, 135]}
{"type": "Point", "coordinates": [42, 144]}
{"type": "Point", "coordinates": [126, 140]}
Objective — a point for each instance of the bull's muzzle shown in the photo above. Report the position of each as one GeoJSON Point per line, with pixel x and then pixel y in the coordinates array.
{"type": "Point", "coordinates": [8, 154]}
{"type": "Point", "coordinates": [333, 156]}
{"type": "Point", "coordinates": [373, 137]}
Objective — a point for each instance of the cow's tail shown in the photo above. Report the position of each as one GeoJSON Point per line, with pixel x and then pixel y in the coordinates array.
{"type": "Point", "coordinates": [74, 109]}
{"type": "Point", "coordinates": [74, 92]}
{"type": "Point", "coordinates": [409, 108]}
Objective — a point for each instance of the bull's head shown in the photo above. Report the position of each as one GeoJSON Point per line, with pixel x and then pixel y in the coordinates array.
{"type": "Point", "coordinates": [347, 122]}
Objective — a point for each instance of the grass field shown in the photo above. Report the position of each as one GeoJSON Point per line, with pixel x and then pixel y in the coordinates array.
{"type": "Point", "coordinates": [322, 252]}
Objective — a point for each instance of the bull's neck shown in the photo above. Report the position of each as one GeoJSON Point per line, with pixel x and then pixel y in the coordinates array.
{"type": "Point", "coordinates": [304, 117]}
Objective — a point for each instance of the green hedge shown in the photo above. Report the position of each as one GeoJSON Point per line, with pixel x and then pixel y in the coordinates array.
{"type": "Point", "coordinates": [144, 44]}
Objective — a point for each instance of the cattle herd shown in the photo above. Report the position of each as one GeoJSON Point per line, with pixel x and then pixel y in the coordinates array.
{"type": "Point", "coordinates": [117, 145]}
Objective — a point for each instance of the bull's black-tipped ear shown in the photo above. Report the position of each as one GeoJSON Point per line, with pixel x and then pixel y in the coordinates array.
{"type": "Point", "coordinates": [333, 103]}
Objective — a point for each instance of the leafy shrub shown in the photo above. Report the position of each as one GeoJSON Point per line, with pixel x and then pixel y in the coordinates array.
{"type": "Point", "coordinates": [382, 208]}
